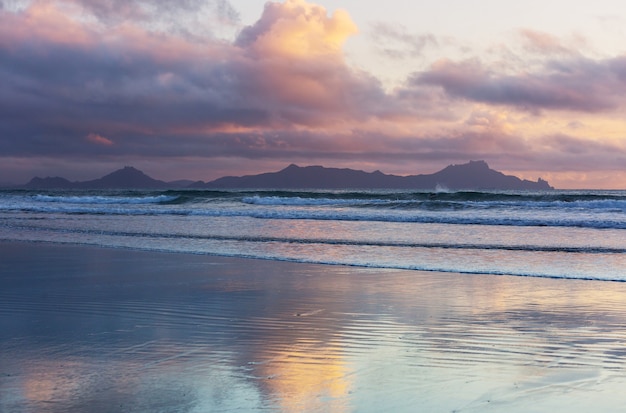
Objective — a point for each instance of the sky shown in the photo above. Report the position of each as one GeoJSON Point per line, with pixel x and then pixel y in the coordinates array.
{"type": "Point", "coordinates": [199, 89]}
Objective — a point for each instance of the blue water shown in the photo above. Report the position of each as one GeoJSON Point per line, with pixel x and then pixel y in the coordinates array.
{"type": "Point", "coordinates": [556, 234]}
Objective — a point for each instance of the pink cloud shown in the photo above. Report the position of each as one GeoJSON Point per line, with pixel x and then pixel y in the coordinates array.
{"type": "Point", "coordinates": [543, 43]}
{"type": "Point", "coordinates": [293, 63]}
{"type": "Point", "coordinates": [43, 22]}
{"type": "Point", "coordinates": [296, 29]}
{"type": "Point", "coordinates": [99, 139]}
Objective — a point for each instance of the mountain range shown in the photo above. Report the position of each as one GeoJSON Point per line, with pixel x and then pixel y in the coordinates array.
{"type": "Point", "coordinates": [472, 175]}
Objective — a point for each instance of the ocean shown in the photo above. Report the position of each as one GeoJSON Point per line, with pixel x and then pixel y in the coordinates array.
{"type": "Point", "coordinates": [553, 234]}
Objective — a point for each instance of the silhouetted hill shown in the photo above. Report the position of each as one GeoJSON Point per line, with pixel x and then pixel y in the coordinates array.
{"type": "Point", "coordinates": [302, 177]}
{"type": "Point", "coordinates": [475, 175]}
{"type": "Point", "coordinates": [181, 183]}
{"type": "Point", "coordinates": [125, 178]}
{"type": "Point", "coordinates": [55, 182]}
{"type": "Point", "coordinates": [472, 175]}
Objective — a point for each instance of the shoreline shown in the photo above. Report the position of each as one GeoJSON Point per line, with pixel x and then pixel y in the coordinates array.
{"type": "Point", "coordinates": [87, 328]}
{"type": "Point", "coordinates": [294, 261]}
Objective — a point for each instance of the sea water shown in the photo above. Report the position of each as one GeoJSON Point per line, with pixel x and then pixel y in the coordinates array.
{"type": "Point", "coordinates": [556, 234]}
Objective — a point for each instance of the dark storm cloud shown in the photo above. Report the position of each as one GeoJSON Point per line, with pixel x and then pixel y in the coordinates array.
{"type": "Point", "coordinates": [576, 84]}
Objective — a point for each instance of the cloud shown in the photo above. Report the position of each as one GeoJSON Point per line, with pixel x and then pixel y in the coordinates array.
{"type": "Point", "coordinates": [296, 28]}
{"type": "Point", "coordinates": [583, 148]}
{"type": "Point", "coordinates": [159, 15]}
{"type": "Point", "coordinates": [285, 71]}
{"type": "Point", "coordinates": [99, 139]}
{"type": "Point", "coordinates": [396, 42]}
{"type": "Point", "coordinates": [227, 13]}
{"type": "Point", "coordinates": [545, 43]}
{"type": "Point", "coordinates": [576, 84]}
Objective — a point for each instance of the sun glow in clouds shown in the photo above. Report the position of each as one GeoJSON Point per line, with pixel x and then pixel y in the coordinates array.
{"type": "Point", "coordinates": [298, 29]}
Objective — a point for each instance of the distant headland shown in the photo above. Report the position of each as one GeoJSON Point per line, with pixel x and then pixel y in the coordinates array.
{"type": "Point", "coordinates": [474, 175]}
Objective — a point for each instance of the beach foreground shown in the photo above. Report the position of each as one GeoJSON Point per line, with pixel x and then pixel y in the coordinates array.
{"type": "Point", "coordinates": [107, 330]}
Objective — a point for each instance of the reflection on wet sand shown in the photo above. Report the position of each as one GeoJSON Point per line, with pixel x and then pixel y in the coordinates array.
{"type": "Point", "coordinates": [109, 330]}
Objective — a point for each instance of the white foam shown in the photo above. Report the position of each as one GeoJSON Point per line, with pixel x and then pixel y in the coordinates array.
{"type": "Point", "coordinates": [296, 201]}
{"type": "Point", "coordinates": [106, 200]}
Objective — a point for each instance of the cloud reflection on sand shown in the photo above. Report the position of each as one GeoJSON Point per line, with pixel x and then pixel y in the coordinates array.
{"type": "Point", "coordinates": [96, 329]}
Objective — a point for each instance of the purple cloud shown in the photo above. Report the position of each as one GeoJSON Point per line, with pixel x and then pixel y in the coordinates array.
{"type": "Point", "coordinates": [575, 84]}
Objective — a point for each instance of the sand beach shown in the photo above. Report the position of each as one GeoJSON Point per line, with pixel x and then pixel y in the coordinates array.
{"type": "Point", "coordinates": [106, 330]}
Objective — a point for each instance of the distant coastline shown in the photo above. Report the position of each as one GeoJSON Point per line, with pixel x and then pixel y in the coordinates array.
{"type": "Point", "coordinates": [474, 175]}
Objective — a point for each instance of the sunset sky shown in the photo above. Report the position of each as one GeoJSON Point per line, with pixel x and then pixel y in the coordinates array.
{"type": "Point", "coordinates": [198, 89]}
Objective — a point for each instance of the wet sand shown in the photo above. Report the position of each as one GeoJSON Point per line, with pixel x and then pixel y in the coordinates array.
{"type": "Point", "coordinates": [86, 329]}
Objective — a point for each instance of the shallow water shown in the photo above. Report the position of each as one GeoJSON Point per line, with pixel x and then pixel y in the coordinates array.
{"type": "Point", "coordinates": [103, 330]}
